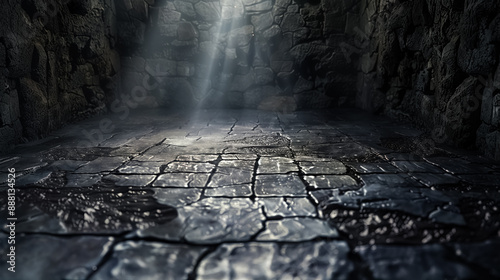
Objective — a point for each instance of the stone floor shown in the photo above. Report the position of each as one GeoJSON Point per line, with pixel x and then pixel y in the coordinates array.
{"type": "Point", "coordinates": [250, 195]}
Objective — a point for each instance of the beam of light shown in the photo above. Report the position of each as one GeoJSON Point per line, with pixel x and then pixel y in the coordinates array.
{"type": "Point", "coordinates": [216, 78]}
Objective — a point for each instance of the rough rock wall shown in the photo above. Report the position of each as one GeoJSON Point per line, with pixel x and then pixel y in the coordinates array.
{"type": "Point", "coordinates": [436, 62]}
{"type": "Point", "coordinates": [57, 60]}
{"type": "Point", "coordinates": [271, 54]}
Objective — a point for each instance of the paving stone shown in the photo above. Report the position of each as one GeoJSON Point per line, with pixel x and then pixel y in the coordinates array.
{"type": "Point", "coordinates": [150, 260]}
{"type": "Point", "coordinates": [230, 177]}
{"type": "Point", "coordinates": [212, 221]}
{"type": "Point", "coordinates": [458, 166]}
{"type": "Point", "coordinates": [33, 178]}
{"type": "Point", "coordinates": [323, 167]}
{"type": "Point", "coordinates": [186, 180]}
{"type": "Point", "coordinates": [341, 182]}
{"type": "Point", "coordinates": [262, 151]}
{"type": "Point", "coordinates": [274, 185]}
{"type": "Point", "coordinates": [229, 165]}
{"type": "Point", "coordinates": [54, 261]}
{"type": "Point", "coordinates": [239, 157]}
{"type": "Point", "coordinates": [430, 179]}
{"type": "Point", "coordinates": [177, 197]}
{"type": "Point", "coordinates": [230, 190]}
{"type": "Point", "coordinates": [140, 167]}
{"type": "Point", "coordinates": [347, 151]}
{"type": "Point", "coordinates": [102, 164]}
{"type": "Point", "coordinates": [417, 166]}
{"type": "Point", "coordinates": [380, 197]}
{"type": "Point", "coordinates": [296, 229]}
{"type": "Point", "coordinates": [270, 165]}
{"type": "Point", "coordinates": [367, 168]}
{"type": "Point", "coordinates": [307, 260]}
{"type": "Point", "coordinates": [22, 164]}
{"type": "Point", "coordinates": [310, 158]}
{"type": "Point", "coordinates": [243, 193]}
{"type": "Point", "coordinates": [419, 262]}
{"type": "Point", "coordinates": [82, 180]}
{"type": "Point", "coordinates": [287, 206]}
{"type": "Point", "coordinates": [392, 180]}
{"type": "Point", "coordinates": [197, 158]}
{"type": "Point", "coordinates": [198, 167]}
{"type": "Point", "coordinates": [130, 180]}
{"type": "Point", "coordinates": [66, 165]}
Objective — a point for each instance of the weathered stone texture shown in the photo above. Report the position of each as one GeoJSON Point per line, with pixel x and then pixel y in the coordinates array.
{"type": "Point", "coordinates": [54, 61]}
{"type": "Point", "coordinates": [435, 63]}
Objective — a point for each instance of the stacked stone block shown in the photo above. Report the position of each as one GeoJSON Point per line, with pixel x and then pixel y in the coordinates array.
{"type": "Point", "coordinates": [241, 54]}
{"type": "Point", "coordinates": [437, 63]}
{"type": "Point", "coordinates": [57, 60]}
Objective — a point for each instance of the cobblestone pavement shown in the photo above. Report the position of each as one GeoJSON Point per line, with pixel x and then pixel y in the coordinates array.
{"type": "Point", "coordinates": [235, 194]}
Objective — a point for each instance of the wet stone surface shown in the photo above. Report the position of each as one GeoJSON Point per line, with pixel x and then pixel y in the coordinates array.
{"type": "Point", "coordinates": [232, 194]}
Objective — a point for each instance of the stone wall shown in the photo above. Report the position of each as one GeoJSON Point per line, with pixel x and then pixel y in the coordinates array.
{"type": "Point", "coordinates": [57, 63]}
{"type": "Point", "coordinates": [268, 54]}
{"type": "Point", "coordinates": [437, 63]}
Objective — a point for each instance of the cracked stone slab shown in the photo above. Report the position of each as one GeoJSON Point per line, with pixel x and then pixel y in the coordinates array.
{"type": "Point", "coordinates": [261, 140]}
{"type": "Point", "coordinates": [82, 180]}
{"type": "Point", "coordinates": [197, 158]}
{"type": "Point", "coordinates": [263, 151]}
{"type": "Point", "coordinates": [287, 206]}
{"type": "Point", "coordinates": [306, 260]}
{"type": "Point", "coordinates": [130, 180]}
{"type": "Point", "coordinates": [233, 190]}
{"type": "Point", "coordinates": [239, 157]}
{"type": "Point", "coordinates": [273, 165]}
{"type": "Point", "coordinates": [389, 180]}
{"type": "Point", "coordinates": [458, 166]}
{"type": "Point", "coordinates": [102, 164]}
{"type": "Point", "coordinates": [380, 197]}
{"type": "Point", "coordinates": [230, 177]}
{"type": "Point", "coordinates": [33, 178]}
{"type": "Point", "coordinates": [195, 167]}
{"type": "Point", "coordinates": [140, 167]}
{"type": "Point", "coordinates": [131, 149]}
{"type": "Point", "coordinates": [236, 164]}
{"type": "Point", "coordinates": [296, 229]}
{"type": "Point", "coordinates": [349, 151]}
{"type": "Point", "coordinates": [48, 257]}
{"type": "Point", "coordinates": [341, 182]}
{"type": "Point", "coordinates": [311, 158]}
{"type": "Point", "coordinates": [212, 221]}
{"type": "Point", "coordinates": [380, 167]}
{"type": "Point", "coordinates": [323, 167]}
{"type": "Point", "coordinates": [419, 262]}
{"type": "Point", "coordinates": [150, 260]}
{"type": "Point", "coordinates": [66, 165]}
{"type": "Point", "coordinates": [274, 185]}
{"type": "Point", "coordinates": [417, 167]}
{"type": "Point", "coordinates": [22, 164]}
{"type": "Point", "coordinates": [430, 179]}
{"type": "Point", "coordinates": [185, 180]}
{"type": "Point", "coordinates": [177, 197]}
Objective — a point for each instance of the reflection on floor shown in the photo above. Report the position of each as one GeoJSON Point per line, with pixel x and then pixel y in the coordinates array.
{"type": "Point", "coordinates": [234, 194]}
